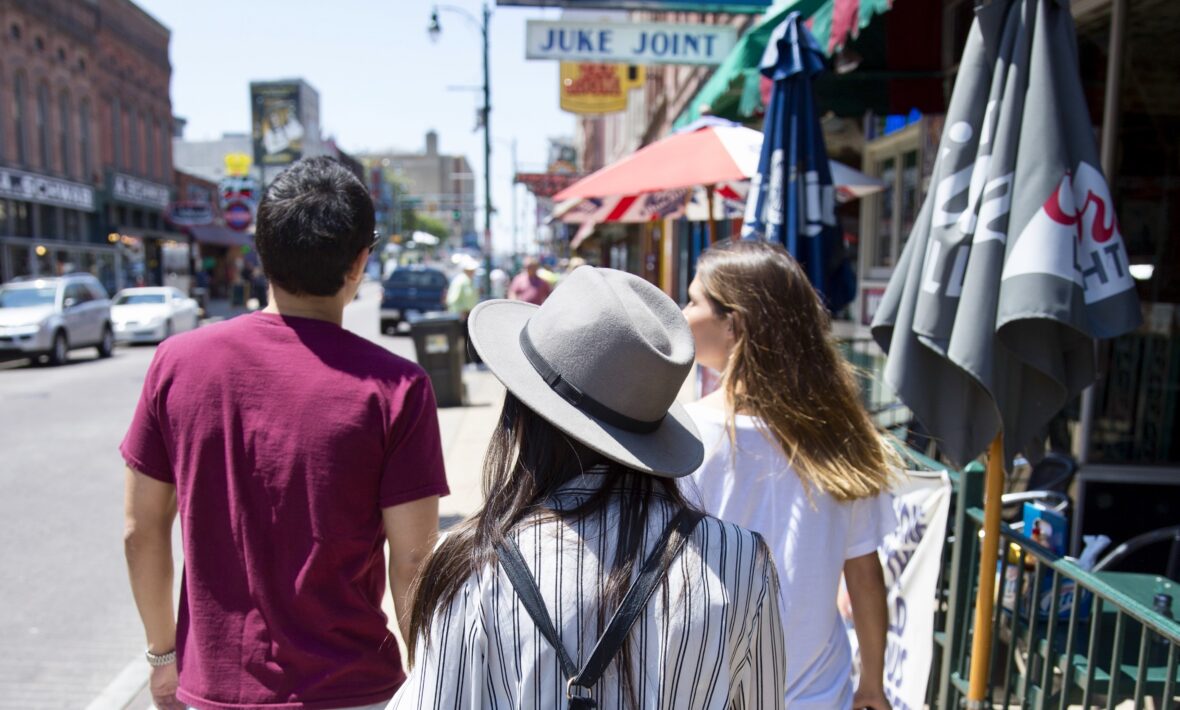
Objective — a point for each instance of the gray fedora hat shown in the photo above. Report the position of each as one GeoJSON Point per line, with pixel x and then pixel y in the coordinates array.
{"type": "Point", "coordinates": [602, 360]}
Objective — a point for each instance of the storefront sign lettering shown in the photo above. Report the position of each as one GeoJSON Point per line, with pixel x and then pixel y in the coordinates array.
{"type": "Point", "coordinates": [19, 185]}
{"type": "Point", "coordinates": [638, 43]}
{"type": "Point", "coordinates": [140, 192]}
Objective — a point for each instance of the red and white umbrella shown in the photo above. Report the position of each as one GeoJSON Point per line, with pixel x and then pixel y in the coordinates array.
{"type": "Point", "coordinates": [708, 156]}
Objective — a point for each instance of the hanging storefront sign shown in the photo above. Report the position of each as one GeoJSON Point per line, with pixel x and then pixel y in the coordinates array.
{"type": "Point", "coordinates": [238, 216]}
{"type": "Point", "coordinates": [736, 6]}
{"type": "Point", "coordinates": [629, 43]}
{"type": "Point", "coordinates": [237, 164]}
{"type": "Point", "coordinates": [278, 125]}
{"type": "Point", "coordinates": [41, 189]}
{"type": "Point", "coordinates": [597, 88]}
{"type": "Point", "coordinates": [139, 192]}
{"type": "Point", "coordinates": [190, 213]}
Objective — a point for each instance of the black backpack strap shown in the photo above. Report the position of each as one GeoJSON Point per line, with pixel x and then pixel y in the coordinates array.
{"type": "Point", "coordinates": [653, 571]}
{"type": "Point", "coordinates": [530, 596]}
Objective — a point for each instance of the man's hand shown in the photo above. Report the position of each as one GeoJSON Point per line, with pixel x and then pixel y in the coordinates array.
{"type": "Point", "coordinates": [871, 699]}
{"type": "Point", "coordinates": [162, 685]}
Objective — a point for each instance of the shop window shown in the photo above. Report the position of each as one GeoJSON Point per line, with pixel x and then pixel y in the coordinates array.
{"type": "Point", "coordinates": [72, 225]}
{"type": "Point", "coordinates": [43, 137]}
{"type": "Point", "coordinates": [84, 141]}
{"type": "Point", "coordinates": [49, 223]}
{"type": "Point", "coordinates": [16, 261]}
{"type": "Point", "coordinates": [22, 219]}
{"type": "Point", "coordinates": [63, 134]}
{"type": "Point", "coordinates": [19, 89]}
{"type": "Point", "coordinates": [888, 217]}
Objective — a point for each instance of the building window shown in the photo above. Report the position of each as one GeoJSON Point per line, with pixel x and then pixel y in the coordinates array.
{"type": "Point", "coordinates": [133, 139]}
{"type": "Point", "coordinates": [22, 218]}
{"type": "Point", "coordinates": [165, 162]}
{"type": "Point", "coordinates": [888, 217]}
{"type": "Point", "coordinates": [44, 138]}
{"type": "Point", "coordinates": [63, 134]}
{"type": "Point", "coordinates": [84, 139]}
{"type": "Point", "coordinates": [18, 119]}
{"type": "Point", "coordinates": [149, 147]}
{"type": "Point", "coordinates": [117, 133]}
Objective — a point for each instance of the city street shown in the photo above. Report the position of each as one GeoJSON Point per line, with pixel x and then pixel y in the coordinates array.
{"type": "Point", "coordinates": [70, 632]}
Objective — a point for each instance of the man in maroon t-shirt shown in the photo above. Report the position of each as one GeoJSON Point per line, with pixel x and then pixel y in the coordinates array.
{"type": "Point", "coordinates": [292, 451]}
{"type": "Point", "coordinates": [528, 286]}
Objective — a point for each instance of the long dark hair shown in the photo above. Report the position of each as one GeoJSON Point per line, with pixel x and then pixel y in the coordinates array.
{"type": "Point", "coordinates": [527, 461]}
{"type": "Point", "coordinates": [785, 368]}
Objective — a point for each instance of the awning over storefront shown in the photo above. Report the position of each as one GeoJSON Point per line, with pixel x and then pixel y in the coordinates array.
{"type": "Point", "coordinates": [734, 89]}
{"type": "Point", "coordinates": [214, 235]}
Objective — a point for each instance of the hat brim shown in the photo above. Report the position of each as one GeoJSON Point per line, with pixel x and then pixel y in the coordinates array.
{"type": "Point", "coordinates": [673, 450]}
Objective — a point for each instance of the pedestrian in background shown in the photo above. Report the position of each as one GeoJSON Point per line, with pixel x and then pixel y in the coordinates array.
{"type": "Point", "coordinates": [461, 298]}
{"type": "Point", "coordinates": [292, 450]}
{"type": "Point", "coordinates": [790, 453]}
{"type": "Point", "coordinates": [580, 493]}
{"type": "Point", "coordinates": [528, 286]}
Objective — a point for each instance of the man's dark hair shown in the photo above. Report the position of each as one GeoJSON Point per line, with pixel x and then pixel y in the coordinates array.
{"type": "Point", "coordinates": [312, 222]}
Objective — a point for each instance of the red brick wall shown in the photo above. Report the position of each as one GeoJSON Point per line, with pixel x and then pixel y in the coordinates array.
{"type": "Point", "coordinates": [90, 54]}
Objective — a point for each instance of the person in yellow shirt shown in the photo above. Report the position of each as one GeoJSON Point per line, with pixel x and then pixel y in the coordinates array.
{"type": "Point", "coordinates": [461, 298]}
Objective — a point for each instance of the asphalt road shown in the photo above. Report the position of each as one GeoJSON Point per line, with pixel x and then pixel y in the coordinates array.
{"type": "Point", "coordinates": [68, 625]}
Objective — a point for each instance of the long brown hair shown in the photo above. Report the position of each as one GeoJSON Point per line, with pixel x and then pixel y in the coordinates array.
{"type": "Point", "coordinates": [527, 461]}
{"type": "Point", "coordinates": [784, 368]}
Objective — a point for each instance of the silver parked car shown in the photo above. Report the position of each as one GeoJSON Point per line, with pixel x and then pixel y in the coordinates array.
{"type": "Point", "coordinates": [51, 316]}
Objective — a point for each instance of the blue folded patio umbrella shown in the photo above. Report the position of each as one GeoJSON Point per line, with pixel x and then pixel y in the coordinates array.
{"type": "Point", "coordinates": [792, 199]}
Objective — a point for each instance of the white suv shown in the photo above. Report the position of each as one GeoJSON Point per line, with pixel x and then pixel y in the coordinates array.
{"type": "Point", "coordinates": [51, 316]}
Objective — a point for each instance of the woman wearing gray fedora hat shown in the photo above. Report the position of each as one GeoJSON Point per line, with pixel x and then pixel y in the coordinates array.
{"type": "Point", "coordinates": [586, 580]}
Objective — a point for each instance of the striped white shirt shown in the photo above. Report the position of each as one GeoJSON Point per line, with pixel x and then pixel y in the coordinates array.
{"type": "Point", "coordinates": [714, 640]}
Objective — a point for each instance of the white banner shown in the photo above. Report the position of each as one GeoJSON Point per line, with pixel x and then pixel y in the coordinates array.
{"type": "Point", "coordinates": [629, 43]}
{"type": "Point", "coordinates": [911, 556]}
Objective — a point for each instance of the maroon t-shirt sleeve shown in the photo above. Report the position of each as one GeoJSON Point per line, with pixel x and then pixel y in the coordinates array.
{"type": "Point", "coordinates": [144, 448]}
{"type": "Point", "coordinates": [414, 461]}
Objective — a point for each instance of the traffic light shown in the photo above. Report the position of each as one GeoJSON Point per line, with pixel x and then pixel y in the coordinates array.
{"type": "Point", "coordinates": [457, 215]}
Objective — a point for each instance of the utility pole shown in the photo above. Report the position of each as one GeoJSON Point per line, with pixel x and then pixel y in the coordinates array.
{"type": "Point", "coordinates": [487, 154]}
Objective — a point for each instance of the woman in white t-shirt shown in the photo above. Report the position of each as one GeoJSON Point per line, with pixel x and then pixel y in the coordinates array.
{"type": "Point", "coordinates": [791, 454]}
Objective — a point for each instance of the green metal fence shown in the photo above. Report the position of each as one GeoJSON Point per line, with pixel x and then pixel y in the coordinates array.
{"type": "Point", "coordinates": [1063, 637]}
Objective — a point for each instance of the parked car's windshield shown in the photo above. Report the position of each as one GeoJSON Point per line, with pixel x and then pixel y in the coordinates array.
{"type": "Point", "coordinates": [135, 299]}
{"type": "Point", "coordinates": [27, 297]}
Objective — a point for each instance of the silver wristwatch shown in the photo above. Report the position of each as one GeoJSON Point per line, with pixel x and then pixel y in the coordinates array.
{"type": "Point", "coordinates": [156, 660]}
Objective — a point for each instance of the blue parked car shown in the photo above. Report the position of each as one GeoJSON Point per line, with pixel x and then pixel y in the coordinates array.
{"type": "Point", "coordinates": [410, 291]}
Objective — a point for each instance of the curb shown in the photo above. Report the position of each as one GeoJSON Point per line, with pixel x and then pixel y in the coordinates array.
{"type": "Point", "coordinates": [121, 691]}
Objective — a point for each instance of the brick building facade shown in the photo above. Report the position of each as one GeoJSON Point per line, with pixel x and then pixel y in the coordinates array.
{"type": "Point", "coordinates": [85, 139]}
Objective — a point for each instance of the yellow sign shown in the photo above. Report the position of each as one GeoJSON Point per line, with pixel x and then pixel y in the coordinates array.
{"type": "Point", "coordinates": [237, 164]}
{"type": "Point", "coordinates": [597, 88]}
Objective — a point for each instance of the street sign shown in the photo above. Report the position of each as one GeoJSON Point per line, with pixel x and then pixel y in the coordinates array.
{"type": "Point", "coordinates": [629, 43]}
{"type": "Point", "coordinates": [237, 216]}
{"type": "Point", "coordinates": [736, 6]}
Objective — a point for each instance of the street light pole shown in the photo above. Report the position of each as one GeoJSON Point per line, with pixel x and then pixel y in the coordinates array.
{"type": "Point", "coordinates": [487, 155]}
{"type": "Point", "coordinates": [486, 118]}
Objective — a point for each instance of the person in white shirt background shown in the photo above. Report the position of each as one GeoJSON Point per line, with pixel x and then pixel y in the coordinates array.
{"type": "Point", "coordinates": [791, 454]}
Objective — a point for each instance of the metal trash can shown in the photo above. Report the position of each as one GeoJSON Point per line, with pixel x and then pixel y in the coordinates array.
{"type": "Point", "coordinates": [438, 341]}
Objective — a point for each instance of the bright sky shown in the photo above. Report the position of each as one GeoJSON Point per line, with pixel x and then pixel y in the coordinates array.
{"type": "Point", "coordinates": [382, 82]}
